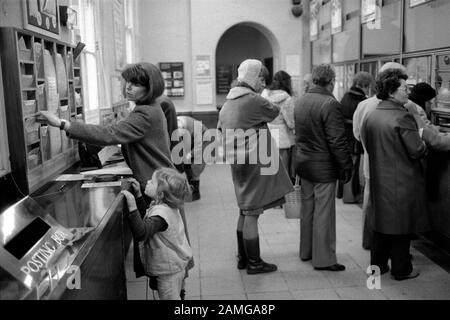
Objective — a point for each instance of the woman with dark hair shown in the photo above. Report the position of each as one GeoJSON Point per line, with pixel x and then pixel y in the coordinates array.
{"type": "Point", "coordinates": [280, 94]}
{"type": "Point", "coordinates": [246, 111]}
{"type": "Point", "coordinates": [422, 94]}
{"type": "Point", "coordinates": [395, 150]}
{"type": "Point", "coordinates": [143, 134]}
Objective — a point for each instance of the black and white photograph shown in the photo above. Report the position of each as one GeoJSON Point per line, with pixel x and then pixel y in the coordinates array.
{"type": "Point", "coordinates": [237, 156]}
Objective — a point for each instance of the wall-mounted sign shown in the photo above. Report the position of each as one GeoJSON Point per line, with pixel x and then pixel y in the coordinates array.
{"type": "Point", "coordinates": [368, 10]}
{"type": "Point", "coordinates": [203, 90]}
{"type": "Point", "coordinates": [42, 16]}
{"type": "Point", "coordinates": [336, 16]}
{"type": "Point", "coordinates": [414, 3]}
{"type": "Point", "coordinates": [173, 74]}
{"type": "Point", "coordinates": [314, 9]}
{"type": "Point", "coordinates": [203, 66]}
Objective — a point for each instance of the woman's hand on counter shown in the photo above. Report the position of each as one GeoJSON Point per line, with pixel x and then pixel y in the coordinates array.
{"type": "Point", "coordinates": [136, 187]}
{"type": "Point", "coordinates": [131, 201]}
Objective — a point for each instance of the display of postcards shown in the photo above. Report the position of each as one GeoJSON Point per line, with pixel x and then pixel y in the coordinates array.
{"type": "Point", "coordinates": [177, 92]}
{"type": "Point", "coordinates": [178, 83]}
{"type": "Point", "coordinates": [178, 75]}
{"type": "Point", "coordinates": [168, 84]}
{"type": "Point", "coordinates": [167, 75]}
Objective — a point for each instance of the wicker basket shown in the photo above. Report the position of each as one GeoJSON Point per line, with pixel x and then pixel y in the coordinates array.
{"type": "Point", "coordinates": [293, 202]}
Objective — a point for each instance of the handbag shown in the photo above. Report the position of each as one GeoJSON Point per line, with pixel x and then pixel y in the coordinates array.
{"type": "Point", "coordinates": [293, 202]}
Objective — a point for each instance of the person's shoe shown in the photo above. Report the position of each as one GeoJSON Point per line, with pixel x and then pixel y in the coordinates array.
{"type": "Point", "coordinates": [242, 263]}
{"type": "Point", "coordinates": [307, 259]}
{"type": "Point", "coordinates": [256, 267]}
{"type": "Point", "coordinates": [384, 269]}
{"type": "Point", "coordinates": [334, 267]}
{"type": "Point", "coordinates": [412, 275]}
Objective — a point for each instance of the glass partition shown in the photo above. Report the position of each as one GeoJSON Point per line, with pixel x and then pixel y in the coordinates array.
{"type": "Point", "coordinates": [346, 43]}
{"type": "Point", "coordinates": [418, 69]}
{"type": "Point", "coordinates": [382, 37]}
{"type": "Point", "coordinates": [427, 25]}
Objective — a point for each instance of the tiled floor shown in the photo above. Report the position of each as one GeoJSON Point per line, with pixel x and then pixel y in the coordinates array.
{"type": "Point", "coordinates": [212, 225]}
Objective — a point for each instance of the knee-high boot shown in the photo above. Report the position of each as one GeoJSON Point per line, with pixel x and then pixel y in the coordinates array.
{"type": "Point", "coordinates": [255, 263]}
{"type": "Point", "coordinates": [242, 255]}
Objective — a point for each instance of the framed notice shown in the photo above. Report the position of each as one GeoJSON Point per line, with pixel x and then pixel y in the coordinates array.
{"type": "Point", "coordinates": [203, 90]}
{"type": "Point", "coordinates": [368, 10]}
{"type": "Point", "coordinates": [42, 16]}
{"type": "Point", "coordinates": [203, 67]}
{"type": "Point", "coordinates": [336, 16]}
{"type": "Point", "coordinates": [415, 3]}
{"type": "Point", "coordinates": [173, 74]}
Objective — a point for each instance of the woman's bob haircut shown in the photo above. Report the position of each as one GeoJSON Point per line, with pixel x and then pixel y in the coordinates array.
{"type": "Point", "coordinates": [146, 75]}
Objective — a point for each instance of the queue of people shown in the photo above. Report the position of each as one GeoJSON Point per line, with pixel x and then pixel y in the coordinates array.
{"type": "Point", "coordinates": [318, 139]}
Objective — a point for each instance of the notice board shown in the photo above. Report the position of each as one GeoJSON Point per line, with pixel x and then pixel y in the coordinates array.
{"type": "Point", "coordinates": [173, 74]}
{"type": "Point", "coordinates": [42, 16]}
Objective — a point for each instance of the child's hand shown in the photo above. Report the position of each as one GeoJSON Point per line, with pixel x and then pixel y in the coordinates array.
{"type": "Point", "coordinates": [131, 202]}
{"type": "Point", "coordinates": [136, 187]}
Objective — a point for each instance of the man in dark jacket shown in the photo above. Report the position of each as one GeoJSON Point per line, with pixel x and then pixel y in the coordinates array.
{"type": "Point", "coordinates": [322, 158]}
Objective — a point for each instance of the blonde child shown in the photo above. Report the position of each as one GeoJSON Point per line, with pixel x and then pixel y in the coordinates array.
{"type": "Point", "coordinates": [163, 245]}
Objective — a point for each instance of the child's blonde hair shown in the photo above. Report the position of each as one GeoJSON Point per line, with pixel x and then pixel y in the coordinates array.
{"type": "Point", "coordinates": [173, 187]}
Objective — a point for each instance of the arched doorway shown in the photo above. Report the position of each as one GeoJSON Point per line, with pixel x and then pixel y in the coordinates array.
{"type": "Point", "coordinates": [240, 42]}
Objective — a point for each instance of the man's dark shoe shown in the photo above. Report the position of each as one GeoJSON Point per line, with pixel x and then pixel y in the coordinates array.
{"type": "Point", "coordinates": [254, 267]}
{"type": "Point", "coordinates": [334, 267]}
{"type": "Point", "coordinates": [412, 275]}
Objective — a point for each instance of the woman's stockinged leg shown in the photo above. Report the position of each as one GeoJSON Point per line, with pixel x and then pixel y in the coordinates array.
{"type": "Point", "coordinates": [250, 227]}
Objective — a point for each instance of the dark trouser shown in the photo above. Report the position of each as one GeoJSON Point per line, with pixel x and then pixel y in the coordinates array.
{"type": "Point", "coordinates": [318, 223]}
{"type": "Point", "coordinates": [395, 247]}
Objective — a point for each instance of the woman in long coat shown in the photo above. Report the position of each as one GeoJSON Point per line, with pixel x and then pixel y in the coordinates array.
{"type": "Point", "coordinates": [255, 189]}
{"type": "Point", "coordinates": [143, 135]}
{"type": "Point", "coordinates": [397, 184]}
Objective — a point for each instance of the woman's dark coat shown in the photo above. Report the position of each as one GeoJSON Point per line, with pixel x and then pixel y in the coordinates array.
{"type": "Point", "coordinates": [397, 180]}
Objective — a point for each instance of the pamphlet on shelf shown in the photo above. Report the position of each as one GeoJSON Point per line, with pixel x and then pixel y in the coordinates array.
{"type": "Point", "coordinates": [72, 177]}
{"type": "Point", "coordinates": [101, 184]}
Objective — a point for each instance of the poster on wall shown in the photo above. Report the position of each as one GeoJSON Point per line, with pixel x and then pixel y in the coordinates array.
{"type": "Point", "coordinates": [173, 74]}
{"type": "Point", "coordinates": [203, 66]}
{"type": "Point", "coordinates": [314, 20]}
{"type": "Point", "coordinates": [368, 10]}
{"type": "Point", "coordinates": [415, 3]}
{"type": "Point", "coordinates": [203, 90]}
{"type": "Point", "coordinates": [336, 16]}
{"type": "Point", "coordinates": [42, 16]}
